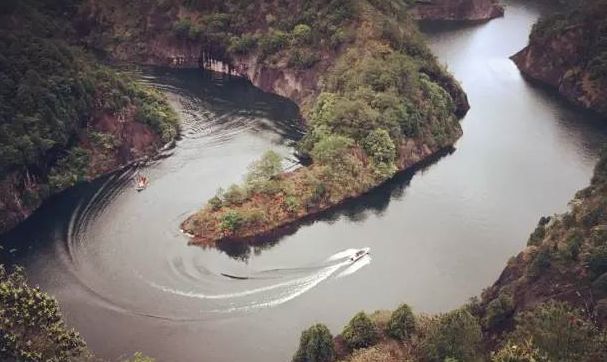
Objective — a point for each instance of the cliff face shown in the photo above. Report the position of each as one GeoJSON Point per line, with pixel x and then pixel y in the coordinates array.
{"type": "Point", "coordinates": [567, 52]}
{"type": "Point", "coordinates": [457, 10]}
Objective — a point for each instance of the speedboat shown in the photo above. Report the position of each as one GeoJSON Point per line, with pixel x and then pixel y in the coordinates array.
{"type": "Point", "coordinates": [142, 183]}
{"type": "Point", "coordinates": [359, 254]}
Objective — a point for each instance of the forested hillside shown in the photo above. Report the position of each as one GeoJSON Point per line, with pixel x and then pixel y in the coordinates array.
{"type": "Point", "coordinates": [64, 117]}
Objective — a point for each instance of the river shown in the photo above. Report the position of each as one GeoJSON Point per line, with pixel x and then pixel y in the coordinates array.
{"type": "Point", "coordinates": [127, 280]}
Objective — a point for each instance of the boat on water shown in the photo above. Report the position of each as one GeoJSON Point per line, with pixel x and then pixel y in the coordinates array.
{"type": "Point", "coordinates": [359, 254]}
{"type": "Point", "coordinates": [142, 183]}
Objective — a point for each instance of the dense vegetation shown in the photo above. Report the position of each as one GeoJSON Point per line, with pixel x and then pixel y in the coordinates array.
{"type": "Point", "coordinates": [382, 101]}
{"type": "Point", "coordinates": [31, 324]}
{"type": "Point", "coordinates": [50, 92]}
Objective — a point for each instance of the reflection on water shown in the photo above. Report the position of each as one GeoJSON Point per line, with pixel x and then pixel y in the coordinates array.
{"type": "Point", "coordinates": [127, 280]}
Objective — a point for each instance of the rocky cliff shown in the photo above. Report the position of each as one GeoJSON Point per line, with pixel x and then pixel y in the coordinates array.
{"type": "Point", "coordinates": [457, 10]}
{"type": "Point", "coordinates": [568, 53]}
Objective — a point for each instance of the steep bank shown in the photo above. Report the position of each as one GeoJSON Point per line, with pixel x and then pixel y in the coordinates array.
{"type": "Point", "coordinates": [65, 118]}
{"type": "Point", "coordinates": [375, 99]}
{"type": "Point", "coordinates": [457, 10]}
{"type": "Point", "coordinates": [269, 50]}
{"type": "Point", "coordinates": [568, 53]}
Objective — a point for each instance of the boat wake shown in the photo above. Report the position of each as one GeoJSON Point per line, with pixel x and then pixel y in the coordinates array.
{"type": "Point", "coordinates": [248, 294]}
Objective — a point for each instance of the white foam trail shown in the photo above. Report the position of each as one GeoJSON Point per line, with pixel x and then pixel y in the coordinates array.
{"type": "Point", "coordinates": [366, 260]}
{"type": "Point", "coordinates": [342, 254]}
{"type": "Point", "coordinates": [300, 281]}
{"type": "Point", "coordinates": [327, 272]}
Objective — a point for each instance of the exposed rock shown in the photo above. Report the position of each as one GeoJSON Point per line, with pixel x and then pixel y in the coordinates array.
{"type": "Point", "coordinates": [561, 54]}
{"type": "Point", "coordinates": [22, 191]}
{"type": "Point", "coordinates": [457, 10]}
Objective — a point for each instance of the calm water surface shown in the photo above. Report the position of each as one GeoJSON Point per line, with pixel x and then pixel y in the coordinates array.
{"type": "Point", "coordinates": [127, 280]}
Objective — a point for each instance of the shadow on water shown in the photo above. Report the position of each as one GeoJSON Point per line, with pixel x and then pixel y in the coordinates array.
{"type": "Point", "coordinates": [356, 209]}
{"type": "Point", "coordinates": [228, 95]}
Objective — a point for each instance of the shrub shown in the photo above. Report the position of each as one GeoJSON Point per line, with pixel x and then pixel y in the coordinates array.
{"type": "Point", "coordinates": [235, 195]}
{"type": "Point", "coordinates": [456, 334]}
{"type": "Point", "coordinates": [498, 310]}
{"type": "Point", "coordinates": [303, 58]}
{"type": "Point", "coordinates": [540, 231]}
{"type": "Point", "coordinates": [315, 345]}
{"type": "Point", "coordinates": [242, 44]}
{"type": "Point", "coordinates": [379, 146]}
{"type": "Point", "coordinates": [231, 221]}
{"type": "Point", "coordinates": [558, 330]}
{"type": "Point", "coordinates": [541, 262]}
{"type": "Point", "coordinates": [182, 28]}
{"type": "Point", "coordinates": [301, 34]}
{"type": "Point", "coordinates": [215, 203]}
{"type": "Point", "coordinates": [263, 171]}
{"type": "Point", "coordinates": [525, 352]}
{"type": "Point", "coordinates": [70, 169]}
{"type": "Point", "coordinates": [597, 260]}
{"type": "Point", "coordinates": [331, 150]}
{"type": "Point", "coordinates": [273, 41]}
{"type": "Point", "coordinates": [402, 323]}
{"type": "Point", "coordinates": [292, 203]}
{"type": "Point", "coordinates": [360, 332]}
{"type": "Point", "coordinates": [32, 326]}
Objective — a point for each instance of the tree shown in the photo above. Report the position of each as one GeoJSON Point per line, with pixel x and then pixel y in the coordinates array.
{"type": "Point", "coordinates": [302, 34]}
{"type": "Point", "coordinates": [360, 332]}
{"type": "Point", "coordinates": [524, 352]}
{"type": "Point", "coordinates": [264, 170]}
{"type": "Point", "coordinates": [559, 331]}
{"type": "Point", "coordinates": [315, 345]}
{"type": "Point", "coordinates": [331, 150]}
{"type": "Point", "coordinates": [402, 323]}
{"type": "Point", "coordinates": [456, 334]}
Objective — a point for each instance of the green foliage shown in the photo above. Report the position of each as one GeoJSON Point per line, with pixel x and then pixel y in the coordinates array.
{"type": "Point", "coordinates": [273, 41]}
{"type": "Point", "coordinates": [498, 310]}
{"type": "Point", "coordinates": [303, 58]}
{"type": "Point", "coordinates": [32, 326]}
{"type": "Point", "coordinates": [331, 150]}
{"type": "Point", "coordinates": [558, 331]}
{"type": "Point", "coordinates": [402, 323]}
{"type": "Point", "coordinates": [235, 195]}
{"type": "Point", "coordinates": [301, 34]}
{"type": "Point", "coordinates": [456, 334]}
{"type": "Point", "coordinates": [242, 44]}
{"type": "Point", "coordinates": [315, 345]}
{"type": "Point", "coordinates": [541, 261]}
{"type": "Point", "coordinates": [596, 261]}
{"type": "Point", "coordinates": [69, 170]}
{"type": "Point", "coordinates": [360, 332]}
{"type": "Point", "coordinates": [540, 231]}
{"type": "Point", "coordinates": [231, 221]}
{"type": "Point", "coordinates": [182, 28]}
{"type": "Point", "coordinates": [525, 352]}
{"type": "Point", "coordinates": [262, 176]}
